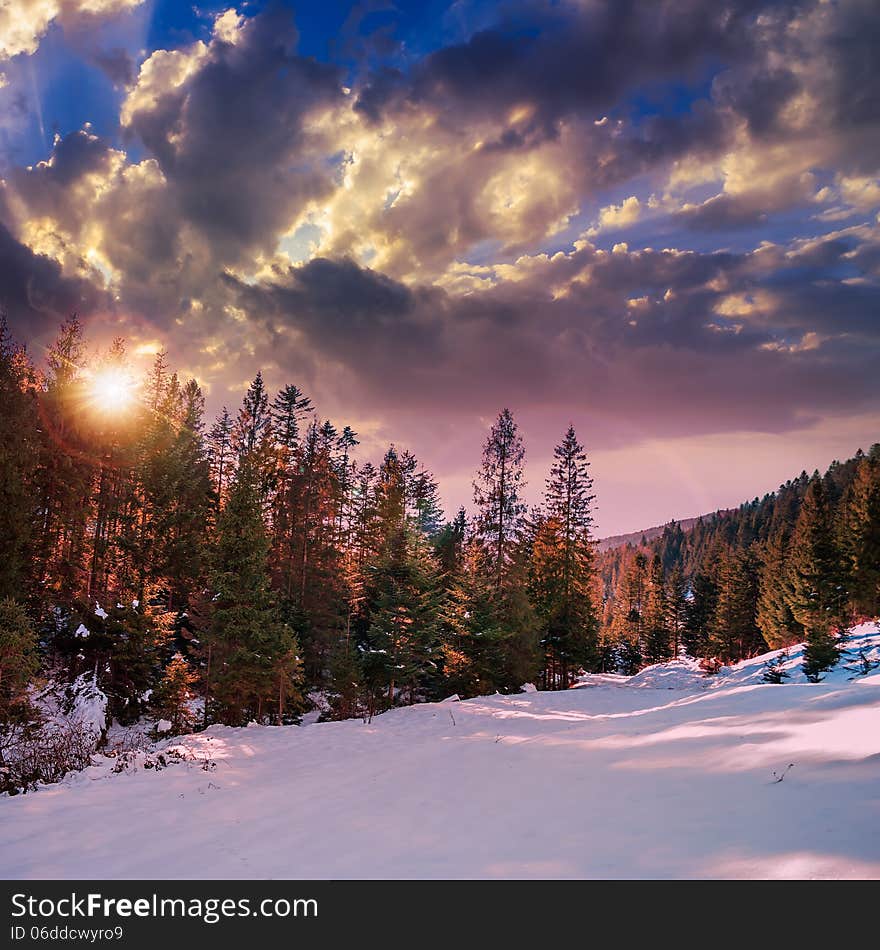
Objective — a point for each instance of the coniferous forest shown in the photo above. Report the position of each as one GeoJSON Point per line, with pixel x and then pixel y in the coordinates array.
{"type": "Point", "coordinates": [242, 568]}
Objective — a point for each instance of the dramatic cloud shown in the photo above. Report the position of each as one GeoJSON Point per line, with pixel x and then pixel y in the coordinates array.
{"type": "Point", "coordinates": [657, 219]}
{"type": "Point", "coordinates": [23, 23]}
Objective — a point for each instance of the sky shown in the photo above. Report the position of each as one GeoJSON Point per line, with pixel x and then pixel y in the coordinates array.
{"type": "Point", "coordinates": [655, 220]}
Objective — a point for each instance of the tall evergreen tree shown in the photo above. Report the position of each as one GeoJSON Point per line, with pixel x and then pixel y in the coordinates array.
{"type": "Point", "coordinates": [860, 534]}
{"type": "Point", "coordinates": [498, 497]}
{"type": "Point", "coordinates": [656, 614]}
{"type": "Point", "coordinates": [628, 622]}
{"type": "Point", "coordinates": [473, 639]}
{"type": "Point", "coordinates": [498, 530]}
{"type": "Point", "coordinates": [19, 446]}
{"type": "Point", "coordinates": [733, 633]}
{"type": "Point", "coordinates": [563, 565]}
{"type": "Point", "coordinates": [676, 608]}
{"type": "Point", "coordinates": [252, 660]}
{"type": "Point", "coordinates": [254, 419]}
{"type": "Point", "coordinates": [818, 584]}
{"type": "Point", "coordinates": [700, 611]}
{"type": "Point", "coordinates": [221, 456]}
{"type": "Point", "coordinates": [19, 661]}
{"type": "Point", "coordinates": [774, 616]}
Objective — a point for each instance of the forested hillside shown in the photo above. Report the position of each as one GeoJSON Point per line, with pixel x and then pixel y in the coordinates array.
{"type": "Point", "coordinates": [796, 564]}
{"type": "Point", "coordinates": [640, 537]}
{"type": "Point", "coordinates": [196, 571]}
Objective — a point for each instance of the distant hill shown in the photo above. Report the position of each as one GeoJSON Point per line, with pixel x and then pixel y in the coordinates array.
{"type": "Point", "coordinates": [635, 537]}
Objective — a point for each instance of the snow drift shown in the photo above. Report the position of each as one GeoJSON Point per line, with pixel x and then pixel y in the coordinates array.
{"type": "Point", "coordinates": [665, 774]}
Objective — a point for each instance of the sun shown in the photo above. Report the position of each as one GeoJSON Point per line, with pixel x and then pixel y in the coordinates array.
{"type": "Point", "coordinates": [112, 390]}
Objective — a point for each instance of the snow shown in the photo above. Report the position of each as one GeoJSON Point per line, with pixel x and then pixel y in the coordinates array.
{"type": "Point", "coordinates": [82, 631]}
{"type": "Point", "coordinates": [686, 673]}
{"type": "Point", "coordinates": [86, 703]}
{"type": "Point", "coordinates": [665, 774]}
{"type": "Point", "coordinates": [100, 612]}
{"type": "Point", "coordinates": [163, 725]}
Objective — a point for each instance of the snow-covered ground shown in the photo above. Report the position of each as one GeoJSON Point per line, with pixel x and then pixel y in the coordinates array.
{"type": "Point", "coordinates": [667, 774]}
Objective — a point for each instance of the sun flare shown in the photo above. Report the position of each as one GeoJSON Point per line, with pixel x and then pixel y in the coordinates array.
{"type": "Point", "coordinates": [112, 391]}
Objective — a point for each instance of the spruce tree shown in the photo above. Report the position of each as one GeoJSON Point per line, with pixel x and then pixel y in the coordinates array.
{"type": "Point", "coordinates": [700, 611]}
{"type": "Point", "coordinates": [19, 442]}
{"type": "Point", "coordinates": [221, 456]}
{"type": "Point", "coordinates": [656, 614]}
{"type": "Point", "coordinates": [172, 697]}
{"type": "Point", "coordinates": [473, 639]}
{"type": "Point", "coordinates": [290, 408]}
{"type": "Point", "coordinates": [628, 616]}
{"type": "Point", "coordinates": [449, 544]}
{"type": "Point", "coordinates": [567, 564]}
{"type": "Point", "coordinates": [733, 632]}
{"type": "Point", "coordinates": [860, 530]}
{"type": "Point", "coordinates": [64, 476]}
{"type": "Point", "coordinates": [345, 691]}
{"type": "Point", "coordinates": [676, 608]}
{"type": "Point", "coordinates": [818, 592]}
{"type": "Point", "coordinates": [498, 530]}
{"type": "Point", "coordinates": [252, 662]}
{"type": "Point", "coordinates": [19, 661]}
{"type": "Point", "coordinates": [498, 498]}
{"type": "Point", "coordinates": [254, 419]}
{"type": "Point", "coordinates": [403, 635]}
{"type": "Point", "coordinates": [774, 616]}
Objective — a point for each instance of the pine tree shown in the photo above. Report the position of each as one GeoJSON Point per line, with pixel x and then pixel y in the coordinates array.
{"type": "Point", "coordinates": [774, 616]}
{"type": "Point", "coordinates": [498, 530]}
{"type": "Point", "coordinates": [221, 456]}
{"type": "Point", "coordinates": [171, 699]}
{"type": "Point", "coordinates": [774, 668]}
{"type": "Point", "coordinates": [656, 614]}
{"type": "Point", "coordinates": [473, 640]}
{"type": "Point", "coordinates": [566, 557]}
{"type": "Point", "coordinates": [64, 474]}
{"type": "Point", "coordinates": [701, 611]}
{"type": "Point", "coordinates": [676, 608]}
{"type": "Point", "coordinates": [403, 634]}
{"type": "Point", "coordinates": [818, 592]}
{"type": "Point", "coordinates": [497, 496]}
{"type": "Point", "coordinates": [628, 617]}
{"type": "Point", "coordinates": [252, 661]}
{"type": "Point", "coordinates": [19, 440]}
{"type": "Point", "coordinates": [254, 419]}
{"type": "Point", "coordinates": [18, 661]}
{"type": "Point", "coordinates": [733, 632]}
{"type": "Point", "coordinates": [860, 531]}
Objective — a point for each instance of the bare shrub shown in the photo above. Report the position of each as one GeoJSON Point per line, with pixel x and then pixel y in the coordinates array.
{"type": "Point", "coordinates": [33, 755]}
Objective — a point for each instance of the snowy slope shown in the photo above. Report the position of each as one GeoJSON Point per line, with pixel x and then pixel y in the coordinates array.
{"type": "Point", "coordinates": [667, 774]}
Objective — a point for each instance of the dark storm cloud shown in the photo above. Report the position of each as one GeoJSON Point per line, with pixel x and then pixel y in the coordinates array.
{"type": "Point", "coordinates": [430, 177]}
{"type": "Point", "coordinates": [666, 357]}
{"type": "Point", "coordinates": [347, 309]}
{"type": "Point", "coordinates": [569, 58]}
{"type": "Point", "coordinates": [35, 295]}
{"type": "Point", "coordinates": [851, 45]}
{"type": "Point", "coordinates": [585, 60]}
{"type": "Point", "coordinates": [230, 139]}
